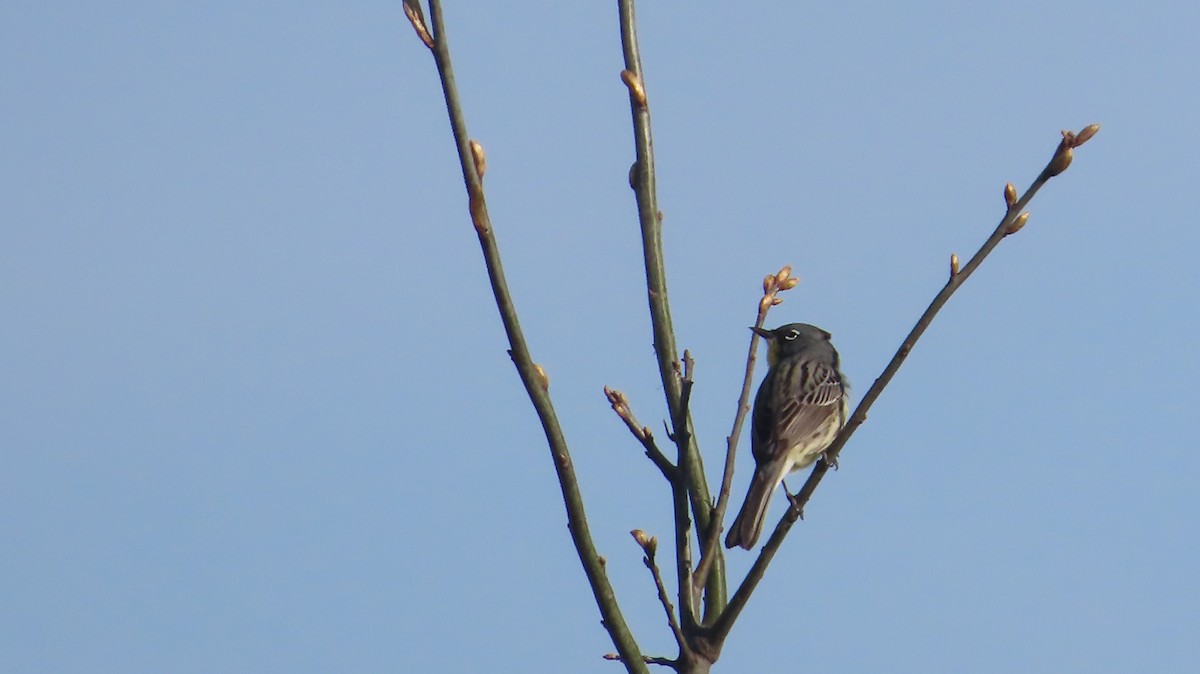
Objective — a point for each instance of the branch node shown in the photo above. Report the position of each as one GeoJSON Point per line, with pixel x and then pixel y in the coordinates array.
{"type": "Point", "coordinates": [1017, 224]}
{"type": "Point", "coordinates": [479, 216]}
{"type": "Point", "coordinates": [620, 405]}
{"type": "Point", "coordinates": [543, 378]}
{"type": "Point", "coordinates": [637, 91]}
{"type": "Point", "coordinates": [1062, 156]}
{"type": "Point", "coordinates": [480, 158]}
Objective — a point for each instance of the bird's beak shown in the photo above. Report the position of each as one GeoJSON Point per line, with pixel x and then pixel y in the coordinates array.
{"type": "Point", "coordinates": [763, 332]}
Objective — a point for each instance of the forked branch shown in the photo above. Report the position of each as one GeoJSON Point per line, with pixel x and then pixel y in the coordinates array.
{"type": "Point", "coordinates": [1014, 219]}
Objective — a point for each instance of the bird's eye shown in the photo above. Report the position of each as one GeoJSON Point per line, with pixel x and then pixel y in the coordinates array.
{"type": "Point", "coordinates": [792, 335]}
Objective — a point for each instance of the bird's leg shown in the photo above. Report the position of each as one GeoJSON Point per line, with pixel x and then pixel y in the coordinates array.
{"type": "Point", "coordinates": [792, 499]}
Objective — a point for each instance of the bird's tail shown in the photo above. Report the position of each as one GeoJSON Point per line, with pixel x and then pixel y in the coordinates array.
{"type": "Point", "coordinates": [747, 526]}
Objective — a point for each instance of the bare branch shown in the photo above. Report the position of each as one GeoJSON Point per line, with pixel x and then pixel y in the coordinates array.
{"type": "Point", "coordinates": [620, 405]}
{"type": "Point", "coordinates": [679, 493]}
{"type": "Point", "coordinates": [642, 179]}
{"type": "Point", "coordinates": [773, 284]}
{"type": "Point", "coordinates": [532, 376]}
{"type": "Point", "coordinates": [649, 545]}
{"type": "Point", "coordinates": [720, 629]}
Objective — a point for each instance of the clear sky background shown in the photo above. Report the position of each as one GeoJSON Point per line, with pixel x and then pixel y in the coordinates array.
{"type": "Point", "coordinates": [256, 413]}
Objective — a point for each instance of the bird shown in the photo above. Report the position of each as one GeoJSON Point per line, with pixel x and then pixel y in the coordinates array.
{"type": "Point", "coordinates": [799, 410]}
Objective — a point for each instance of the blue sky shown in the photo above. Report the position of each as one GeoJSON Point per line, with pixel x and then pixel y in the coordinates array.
{"type": "Point", "coordinates": [255, 408]}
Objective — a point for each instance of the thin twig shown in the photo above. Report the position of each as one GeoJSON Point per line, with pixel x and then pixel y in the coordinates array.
{"type": "Point", "coordinates": [620, 405]}
{"type": "Point", "coordinates": [773, 284]}
{"type": "Point", "coordinates": [679, 492]}
{"type": "Point", "coordinates": [649, 545]}
{"type": "Point", "coordinates": [642, 179]}
{"type": "Point", "coordinates": [1014, 218]}
{"type": "Point", "coordinates": [535, 381]}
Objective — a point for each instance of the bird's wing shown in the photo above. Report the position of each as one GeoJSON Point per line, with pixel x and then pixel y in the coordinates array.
{"type": "Point", "coordinates": [801, 415]}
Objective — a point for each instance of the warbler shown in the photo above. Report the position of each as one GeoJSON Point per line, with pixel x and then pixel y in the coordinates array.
{"type": "Point", "coordinates": [800, 407]}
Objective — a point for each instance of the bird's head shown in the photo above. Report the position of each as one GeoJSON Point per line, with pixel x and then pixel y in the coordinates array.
{"type": "Point", "coordinates": [790, 339]}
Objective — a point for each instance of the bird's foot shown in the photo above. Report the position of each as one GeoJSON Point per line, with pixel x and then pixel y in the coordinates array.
{"type": "Point", "coordinates": [796, 504]}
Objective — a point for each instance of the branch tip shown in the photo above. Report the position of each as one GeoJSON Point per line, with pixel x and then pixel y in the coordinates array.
{"type": "Point", "coordinates": [619, 402]}
{"type": "Point", "coordinates": [1085, 134]}
{"type": "Point", "coordinates": [479, 216]}
{"type": "Point", "coordinates": [412, 10]}
{"type": "Point", "coordinates": [1070, 140]}
{"type": "Point", "coordinates": [649, 544]}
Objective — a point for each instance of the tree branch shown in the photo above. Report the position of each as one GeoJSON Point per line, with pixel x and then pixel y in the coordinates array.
{"type": "Point", "coordinates": [772, 286]}
{"type": "Point", "coordinates": [649, 545]}
{"type": "Point", "coordinates": [620, 405]}
{"type": "Point", "coordinates": [1014, 219]}
{"type": "Point", "coordinates": [471, 158]}
{"type": "Point", "coordinates": [679, 494]}
{"type": "Point", "coordinates": [642, 180]}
